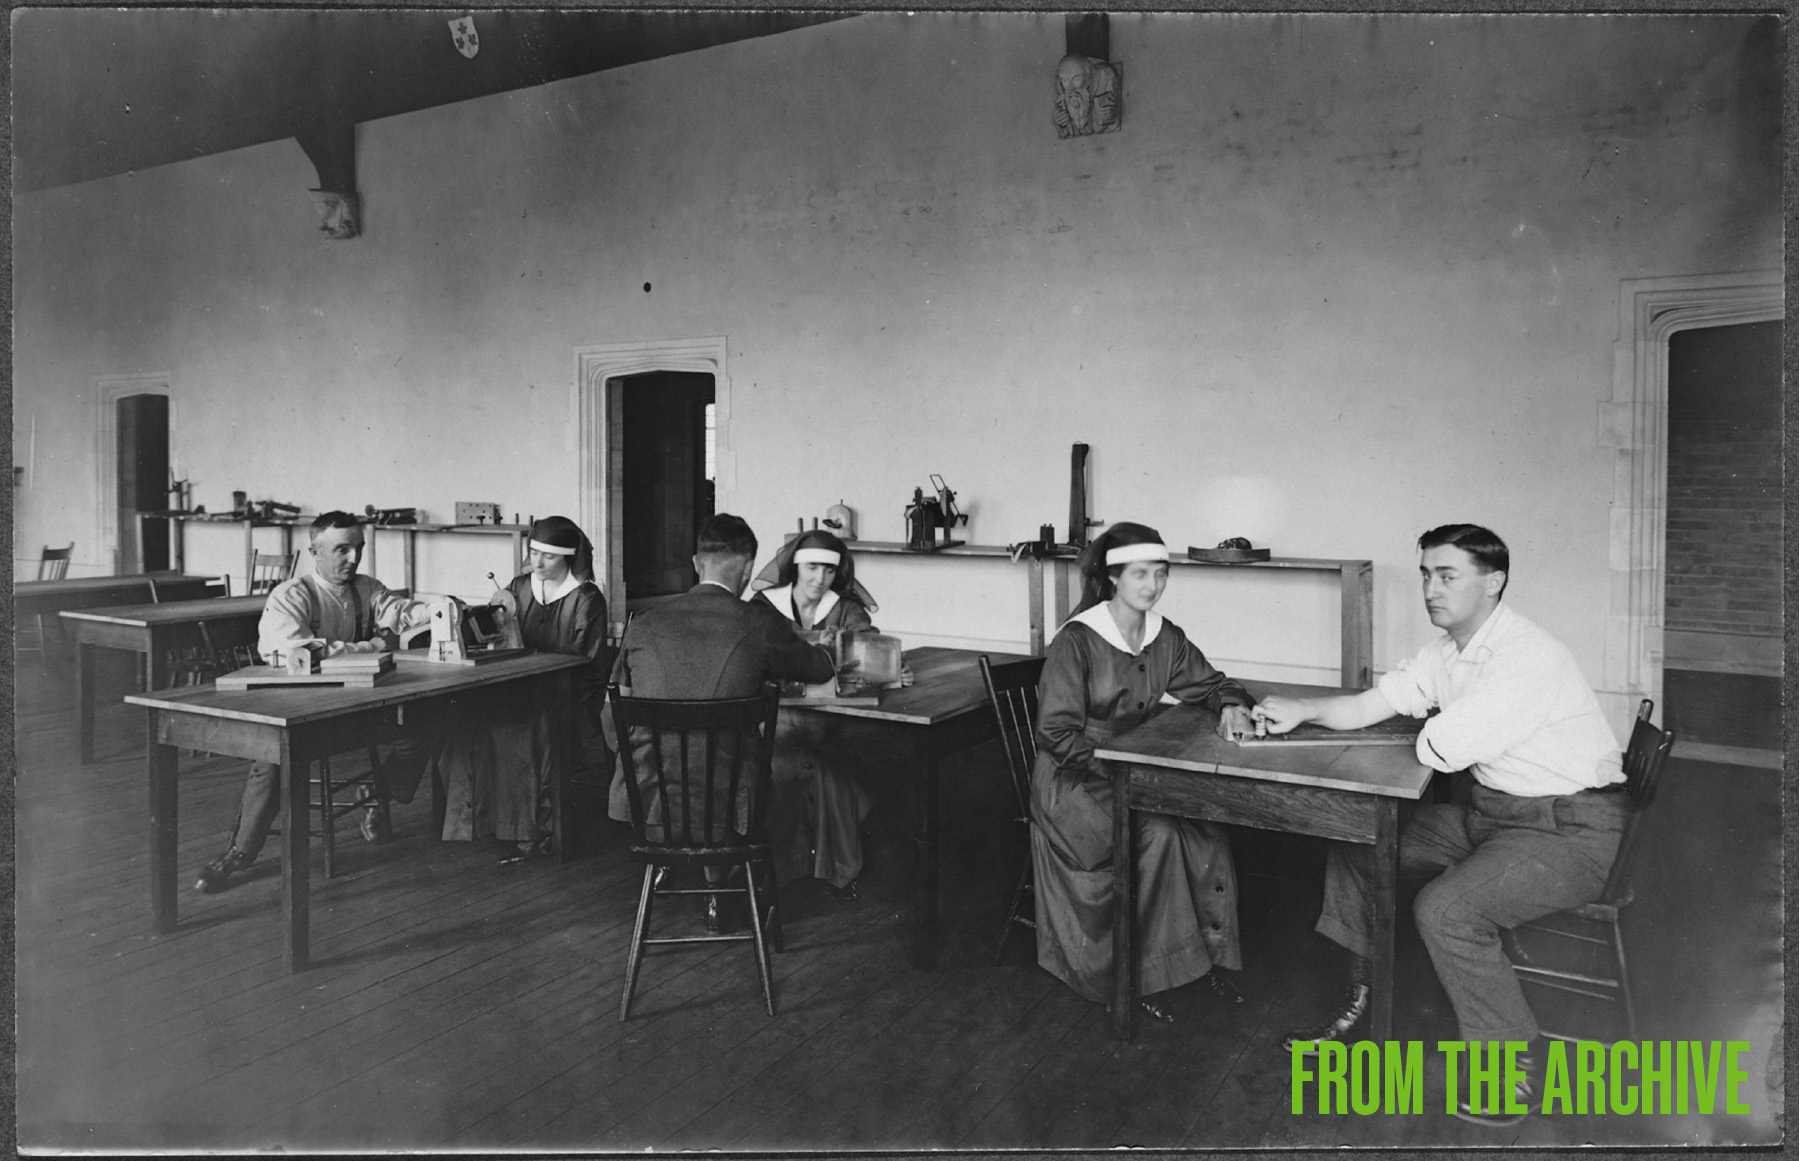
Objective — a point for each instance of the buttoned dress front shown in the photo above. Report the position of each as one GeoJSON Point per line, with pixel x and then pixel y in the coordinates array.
{"type": "Point", "coordinates": [819, 803]}
{"type": "Point", "coordinates": [1093, 688]}
{"type": "Point", "coordinates": [497, 771]}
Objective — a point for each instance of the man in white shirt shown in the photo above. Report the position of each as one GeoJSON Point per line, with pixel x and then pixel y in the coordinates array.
{"type": "Point", "coordinates": [333, 611]}
{"type": "Point", "coordinates": [1542, 826]}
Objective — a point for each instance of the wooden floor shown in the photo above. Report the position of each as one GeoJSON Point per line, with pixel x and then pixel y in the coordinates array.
{"type": "Point", "coordinates": [457, 1004]}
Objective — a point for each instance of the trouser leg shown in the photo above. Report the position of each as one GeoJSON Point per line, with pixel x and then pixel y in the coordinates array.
{"type": "Point", "coordinates": [400, 772]}
{"type": "Point", "coordinates": [1436, 837]}
{"type": "Point", "coordinates": [1531, 857]}
{"type": "Point", "coordinates": [256, 813]}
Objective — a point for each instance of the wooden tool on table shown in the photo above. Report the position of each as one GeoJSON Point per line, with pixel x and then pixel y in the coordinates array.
{"type": "Point", "coordinates": [302, 666]}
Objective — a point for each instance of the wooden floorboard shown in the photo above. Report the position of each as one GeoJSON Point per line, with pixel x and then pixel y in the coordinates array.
{"type": "Point", "coordinates": [457, 1004]}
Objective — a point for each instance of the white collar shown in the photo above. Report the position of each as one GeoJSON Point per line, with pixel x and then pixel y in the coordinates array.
{"type": "Point", "coordinates": [783, 600]}
{"type": "Point", "coordinates": [569, 583]}
{"type": "Point", "coordinates": [1099, 619]}
{"type": "Point", "coordinates": [1480, 646]}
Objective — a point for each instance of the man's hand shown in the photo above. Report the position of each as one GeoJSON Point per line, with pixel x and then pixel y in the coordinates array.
{"type": "Point", "coordinates": [1278, 715]}
{"type": "Point", "coordinates": [1235, 723]}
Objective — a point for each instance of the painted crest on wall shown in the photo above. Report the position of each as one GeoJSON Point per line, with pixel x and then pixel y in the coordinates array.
{"type": "Point", "coordinates": [462, 32]}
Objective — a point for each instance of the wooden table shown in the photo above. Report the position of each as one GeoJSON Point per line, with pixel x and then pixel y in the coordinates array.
{"type": "Point", "coordinates": [945, 711]}
{"type": "Point", "coordinates": [49, 597]}
{"type": "Point", "coordinates": [153, 631]}
{"type": "Point", "coordinates": [294, 727]}
{"type": "Point", "coordinates": [1175, 764]}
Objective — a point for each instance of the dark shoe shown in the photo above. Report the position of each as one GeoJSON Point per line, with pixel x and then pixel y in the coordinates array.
{"type": "Point", "coordinates": [216, 875]}
{"type": "Point", "coordinates": [848, 892]}
{"type": "Point", "coordinates": [1155, 1010]}
{"type": "Point", "coordinates": [1218, 986]}
{"type": "Point", "coordinates": [523, 851]}
{"type": "Point", "coordinates": [1336, 1026]}
{"type": "Point", "coordinates": [377, 827]}
{"type": "Point", "coordinates": [1525, 1092]}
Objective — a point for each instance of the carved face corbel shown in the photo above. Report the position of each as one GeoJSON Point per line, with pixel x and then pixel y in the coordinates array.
{"type": "Point", "coordinates": [339, 216]}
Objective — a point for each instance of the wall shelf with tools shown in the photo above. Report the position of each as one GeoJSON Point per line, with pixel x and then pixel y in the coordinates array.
{"type": "Point", "coordinates": [373, 531]}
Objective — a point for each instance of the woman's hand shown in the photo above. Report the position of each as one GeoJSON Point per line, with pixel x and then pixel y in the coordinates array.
{"type": "Point", "coordinates": [1235, 722]}
{"type": "Point", "coordinates": [1278, 715]}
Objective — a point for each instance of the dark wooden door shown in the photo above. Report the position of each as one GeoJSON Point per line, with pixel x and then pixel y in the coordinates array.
{"type": "Point", "coordinates": [666, 490]}
{"type": "Point", "coordinates": [142, 425]}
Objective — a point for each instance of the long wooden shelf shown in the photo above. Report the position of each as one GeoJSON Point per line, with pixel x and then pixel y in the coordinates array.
{"type": "Point", "coordinates": [1355, 585]}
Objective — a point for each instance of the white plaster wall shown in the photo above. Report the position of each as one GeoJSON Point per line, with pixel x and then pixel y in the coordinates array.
{"type": "Point", "coordinates": [1339, 279]}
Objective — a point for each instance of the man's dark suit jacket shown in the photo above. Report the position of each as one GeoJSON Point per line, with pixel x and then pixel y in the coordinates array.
{"type": "Point", "coordinates": [706, 643]}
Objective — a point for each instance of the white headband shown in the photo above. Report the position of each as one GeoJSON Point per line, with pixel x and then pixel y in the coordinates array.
{"type": "Point", "coordinates": [817, 556]}
{"type": "Point", "coordinates": [1131, 553]}
{"type": "Point", "coordinates": [552, 549]}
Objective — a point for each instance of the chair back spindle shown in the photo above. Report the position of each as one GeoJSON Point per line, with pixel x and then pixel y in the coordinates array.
{"type": "Point", "coordinates": [1644, 757]}
{"type": "Point", "coordinates": [1012, 693]}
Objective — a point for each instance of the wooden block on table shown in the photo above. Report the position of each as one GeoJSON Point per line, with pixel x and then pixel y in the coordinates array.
{"type": "Point", "coordinates": [357, 663]}
{"type": "Point", "coordinates": [267, 676]}
{"type": "Point", "coordinates": [484, 657]}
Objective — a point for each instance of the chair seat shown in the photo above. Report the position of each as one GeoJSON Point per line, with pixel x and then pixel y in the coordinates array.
{"type": "Point", "coordinates": [688, 856]}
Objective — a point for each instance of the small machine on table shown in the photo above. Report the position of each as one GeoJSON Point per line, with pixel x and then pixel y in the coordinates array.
{"type": "Point", "coordinates": [871, 662]}
{"type": "Point", "coordinates": [465, 634]}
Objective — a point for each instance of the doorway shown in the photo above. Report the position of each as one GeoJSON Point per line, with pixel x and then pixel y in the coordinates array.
{"type": "Point", "coordinates": [1723, 585]}
{"type": "Point", "coordinates": [666, 480]}
{"type": "Point", "coordinates": [142, 482]}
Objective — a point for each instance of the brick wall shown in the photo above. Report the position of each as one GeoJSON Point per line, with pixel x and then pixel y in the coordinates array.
{"type": "Point", "coordinates": [1724, 550]}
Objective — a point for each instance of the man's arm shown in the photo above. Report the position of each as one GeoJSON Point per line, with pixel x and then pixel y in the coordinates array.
{"type": "Point", "coordinates": [286, 624]}
{"type": "Point", "coordinates": [1350, 711]}
{"type": "Point", "coordinates": [790, 658]}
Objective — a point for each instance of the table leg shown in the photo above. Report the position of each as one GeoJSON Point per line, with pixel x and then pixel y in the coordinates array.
{"type": "Point", "coordinates": [925, 882]}
{"type": "Point", "coordinates": [1124, 998]}
{"type": "Point", "coordinates": [156, 664]}
{"type": "Point", "coordinates": [1386, 878]}
{"type": "Point", "coordinates": [562, 749]}
{"type": "Point", "coordinates": [178, 545]}
{"type": "Point", "coordinates": [84, 700]}
{"type": "Point", "coordinates": [296, 865]}
{"type": "Point", "coordinates": [162, 765]}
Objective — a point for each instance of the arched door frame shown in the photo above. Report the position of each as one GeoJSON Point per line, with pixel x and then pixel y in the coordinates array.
{"type": "Point", "coordinates": [599, 411]}
{"type": "Point", "coordinates": [1635, 422]}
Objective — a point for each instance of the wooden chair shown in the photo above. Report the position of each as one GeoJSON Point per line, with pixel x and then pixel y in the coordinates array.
{"type": "Point", "coordinates": [1575, 938]}
{"type": "Point", "coordinates": [1012, 692]}
{"type": "Point", "coordinates": [268, 569]}
{"type": "Point", "coordinates": [52, 565]}
{"type": "Point", "coordinates": [704, 803]}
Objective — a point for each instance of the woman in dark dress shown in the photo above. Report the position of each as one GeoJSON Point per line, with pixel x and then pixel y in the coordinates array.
{"type": "Point", "coordinates": [1112, 665]}
{"type": "Point", "coordinates": [815, 817]}
{"type": "Point", "coordinates": [498, 780]}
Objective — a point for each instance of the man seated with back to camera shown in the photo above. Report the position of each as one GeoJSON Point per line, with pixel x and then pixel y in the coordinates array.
{"type": "Point", "coordinates": [1541, 829]}
{"type": "Point", "coordinates": [334, 611]}
{"type": "Point", "coordinates": [711, 643]}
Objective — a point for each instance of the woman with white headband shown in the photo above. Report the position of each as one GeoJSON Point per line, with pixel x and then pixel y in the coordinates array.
{"type": "Point", "coordinates": [499, 783]}
{"type": "Point", "coordinates": [1113, 664]}
{"type": "Point", "coordinates": [815, 817]}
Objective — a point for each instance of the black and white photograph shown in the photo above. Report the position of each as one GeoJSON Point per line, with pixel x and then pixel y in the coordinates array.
{"type": "Point", "coordinates": [831, 580]}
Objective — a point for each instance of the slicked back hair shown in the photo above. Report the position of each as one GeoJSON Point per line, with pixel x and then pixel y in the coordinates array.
{"type": "Point", "coordinates": [725, 535]}
{"type": "Point", "coordinates": [326, 521]}
{"type": "Point", "coordinates": [1487, 549]}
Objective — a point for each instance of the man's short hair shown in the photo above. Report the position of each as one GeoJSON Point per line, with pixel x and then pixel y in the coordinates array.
{"type": "Point", "coordinates": [725, 535]}
{"type": "Point", "coordinates": [1487, 550]}
{"type": "Point", "coordinates": [325, 521]}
